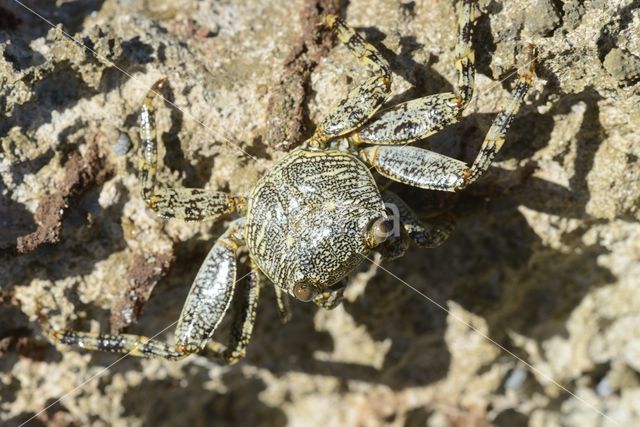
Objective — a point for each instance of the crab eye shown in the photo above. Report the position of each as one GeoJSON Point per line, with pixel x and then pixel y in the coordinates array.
{"type": "Point", "coordinates": [378, 231]}
{"type": "Point", "coordinates": [304, 292]}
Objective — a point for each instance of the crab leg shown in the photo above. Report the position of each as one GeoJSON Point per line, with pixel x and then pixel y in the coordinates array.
{"type": "Point", "coordinates": [426, 169]}
{"type": "Point", "coordinates": [331, 299]}
{"type": "Point", "coordinates": [363, 101]}
{"type": "Point", "coordinates": [495, 137]}
{"type": "Point", "coordinates": [422, 117]}
{"type": "Point", "coordinates": [190, 204]}
{"type": "Point", "coordinates": [410, 121]}
{"type": "Point", "coordinates": [206, 304]}
{"type": "Point", "coordinates": [428, 234]}
{"type": "Point", "coordinates": [416, 166]}
{"type": "Point", "coordinates": [283, 303]}
{"type": "Point", "coordinates": [465, 56]}
{"type": "Point", "coordinates": [246, 305]}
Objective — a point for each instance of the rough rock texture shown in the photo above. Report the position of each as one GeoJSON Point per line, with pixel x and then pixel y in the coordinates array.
{"type": "Point", "coordinates": [545, 260]}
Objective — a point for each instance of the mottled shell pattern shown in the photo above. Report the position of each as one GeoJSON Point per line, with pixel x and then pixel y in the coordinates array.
{"type": "Point", "coordinates": [309, 219]}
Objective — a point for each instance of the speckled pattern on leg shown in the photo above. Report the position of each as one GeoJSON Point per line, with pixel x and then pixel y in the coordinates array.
{"type": "Point", "coordinates": [417, 119]}
{"type": "Point", "coordinates": [211, 292]}
{"type": "Point", "coordinates": [193, 204]}
{"type": "Point", "coordinates": [427, 234]}
{"type": "Point", "coordinates": [283, 303]}
{"type": "Point", "coordinates": [465, 56]}
{"type": "Point", "coordinates": [410, 121]}
{"type": "Point", "coordinates": [190, 204]}
{"type": "Point", "coordinates": [495, 137]}
{"type": "Point", "coordinates": [206, 304]}
{"type": "Point", "coordinates": [433, 171]}
{"type": "Point", "coordinates": [416, 166]}
{"type": "Point", "coordinates": [363, 101]}
{"type": "Point", "coordinates": [242, 324]}
{"type": "Point", "coordinates": [134, 345]}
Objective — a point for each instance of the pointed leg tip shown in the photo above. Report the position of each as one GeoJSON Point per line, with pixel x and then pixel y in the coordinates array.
{"type": "Point", "coordinates": [159, 83]}
{"type": "Point", "coordinates": [329, 20]}
{"type": "Point", "coordinates": [532, 56]}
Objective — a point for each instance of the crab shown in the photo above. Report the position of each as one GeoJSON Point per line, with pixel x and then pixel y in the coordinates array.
{"type": "Point", "coordinates": [316, 215]}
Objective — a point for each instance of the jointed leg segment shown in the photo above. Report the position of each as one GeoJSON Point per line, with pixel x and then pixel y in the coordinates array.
{"type": "Point", "coordinates": [426, 169]}
{"type": "Point", "coordinates": [332, 298]}
{"type": "Point", "coordinates": [416, 167]}
{"type": "Point", "coordinates": [364, 100]}
{"type": "Point", "coordinates": [242, 326]}
{"type": "Point", "coordinates": [417, 119]}
{"type": "Point", "coordinates": [428, 234]}
{"type": "Point", "coordinates": [191, 204]}
{"type": "Point", "coordinates": [495, 137]}
{"type": "Point", "coordinates": [465, 56]}
{"type": "Point", "coordinates": [282, 301]}
{"type": "Point", "coordinates": [206, 304]}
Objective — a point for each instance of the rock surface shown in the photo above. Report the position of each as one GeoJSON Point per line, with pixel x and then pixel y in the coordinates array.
{"type": "Point", "coordinates": [544, 263]}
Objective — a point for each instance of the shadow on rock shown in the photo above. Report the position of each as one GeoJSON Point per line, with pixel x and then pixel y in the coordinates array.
{"type": "Point", "coordinates": [495, 265]}
{"type": "Point", "coordinates": [549, 197]}
{"type": "Point", "coordinates": [15, 221]}
{"type": "Point", "coordinates": [423, 78]}
{"type": "Point", "coordinates": [87, 228]}
{"type": "Point", "coordinates": [30, 26]}
{"type": "Point", "coordinates": [191, 401]}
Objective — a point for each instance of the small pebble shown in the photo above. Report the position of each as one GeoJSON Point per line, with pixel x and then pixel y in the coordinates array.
{"type": "Point", "coordinates": [122, 145]}
{"type": "Point", "coordinates": [516, 379]}
{"type": "Point", "coordinates": [604, 388]}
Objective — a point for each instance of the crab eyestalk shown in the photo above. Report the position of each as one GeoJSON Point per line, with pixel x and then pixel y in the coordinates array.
{"type": "Point", "coordinates": [378, 231]}
{"type": "Point", "coordinates": [304, 291]}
